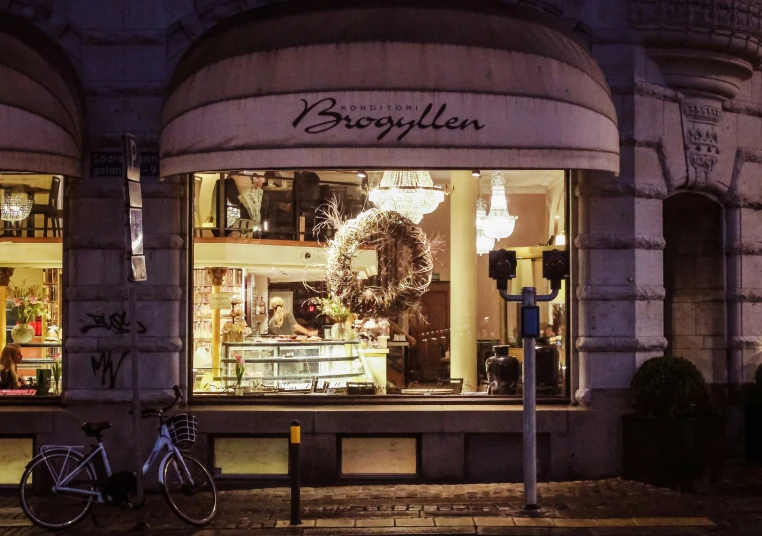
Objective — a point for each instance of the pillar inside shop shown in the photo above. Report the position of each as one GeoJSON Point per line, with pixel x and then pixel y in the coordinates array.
{"type": "Point", "coordinates": [463, 274]}
{"type": "Point", "coordinates": [5, 279]}
{"type": "Point", "coordinates": [216, 275]}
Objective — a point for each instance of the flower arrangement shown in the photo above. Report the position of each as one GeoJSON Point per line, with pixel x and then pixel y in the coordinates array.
{"type": "Point", "coordinates": [28, 303]}
{"type": "Point", "coordinates": [240, 368]}
{"type": "Point", "coordinates": [332, 308]}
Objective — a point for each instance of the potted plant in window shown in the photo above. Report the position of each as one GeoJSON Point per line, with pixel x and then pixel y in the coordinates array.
{"type": "Point", "coordinates": [674, 439]}
{"type": "Point", "coordinates": [28, 304]}
{"type": "Point", "coordinates": [754, 418]}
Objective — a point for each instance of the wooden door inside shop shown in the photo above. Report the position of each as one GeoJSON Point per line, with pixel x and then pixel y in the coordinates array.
{"type": "Point", "coordinates": [429, 357]}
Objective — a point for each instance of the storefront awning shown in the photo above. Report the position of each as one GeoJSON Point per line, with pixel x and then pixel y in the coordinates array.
{"type": "Point", "coordinates": [386, 87]}
{"type": "Point", "coordinates": [40, 110]}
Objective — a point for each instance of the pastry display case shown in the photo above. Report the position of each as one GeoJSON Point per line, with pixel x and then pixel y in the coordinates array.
{"type": "Point", "coordinates": [294, 366]}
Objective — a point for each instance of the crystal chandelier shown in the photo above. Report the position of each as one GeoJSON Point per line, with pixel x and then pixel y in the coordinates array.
{"type": "Point", "coordinates": [411, 193]}
{"type": "Point", "coordinates": [16, 205]}
{"type": "Point", "coordinates": [484, 244]}
{"type": "Point", "coordinates": [499, 224]}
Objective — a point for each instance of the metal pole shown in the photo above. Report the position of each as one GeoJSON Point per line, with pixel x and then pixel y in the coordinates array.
{"type": "Point", "coordinates": [136, 437]}
{"type": "Point", "coordinates": [294, 471]}
{"type": "Point", "coordinates": [530, 412]}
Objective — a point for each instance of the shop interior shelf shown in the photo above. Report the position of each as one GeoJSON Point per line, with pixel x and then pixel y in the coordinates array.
{"type": "Point", "coordinates": [315, 359]}
{"type": "Point", "coordinates": [294, 376]}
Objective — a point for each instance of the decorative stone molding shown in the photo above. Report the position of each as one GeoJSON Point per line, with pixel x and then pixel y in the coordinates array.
{"type": "Point", "coordinates": [122, 344]}
{"type": "Point", "coordinates": [697, 295]}
{"type": "Point", "coordinates": [620, 292]}
{"type": "Point", "coordinates": [704, 47]}
{"type": "Point", "coordinates": [702, 149]}
{"type": "Point", "coordinates": [745, 295]}
{"type": "Point", "coordinates": [744, 248]}
{"type": "Point", "coordinates": [621, 344]}
{"type": "Point", "coordinates": [618, 241]}
{"type": "Point", "coordinates": [5, 277]}
{"type": "Point", "coordinates": [216, 274]}
{"type": "Point", "coordinates": [745, 343]}
{"type": "Point", "coordinates": [615, 188]}
{"type": "Point", "coordinates": [740, 193]}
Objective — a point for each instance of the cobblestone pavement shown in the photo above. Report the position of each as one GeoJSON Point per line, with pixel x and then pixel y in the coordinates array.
{"type": "Point", "coordinates": [732, 506]}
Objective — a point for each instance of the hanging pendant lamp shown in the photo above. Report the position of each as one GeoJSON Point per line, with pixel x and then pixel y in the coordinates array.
{"type": "Point", "coordinates": [411, 193]}
{"type": "Point", "coordinates": [484, 244]}
{"type": "Point", "coordinates": [499, 223]}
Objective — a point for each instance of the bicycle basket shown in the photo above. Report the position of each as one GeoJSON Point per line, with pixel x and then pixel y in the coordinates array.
{"type": "Point", "coordinates": [182, 430]}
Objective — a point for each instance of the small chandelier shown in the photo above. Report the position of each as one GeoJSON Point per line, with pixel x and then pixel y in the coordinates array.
{"type": "Point", "coordinates": [16, 204]}
{"type": "Point", "coordinates": [484, 244]}
{"type": "Point", "coordinates": [499, 224]}
{"type": "Point", "coordinates": [411, 193]}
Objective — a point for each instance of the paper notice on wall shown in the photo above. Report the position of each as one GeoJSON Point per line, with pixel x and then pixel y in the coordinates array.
{"type": "Point", "coordinates": [220, 301]}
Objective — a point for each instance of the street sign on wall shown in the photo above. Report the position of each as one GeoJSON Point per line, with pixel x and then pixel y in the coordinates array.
{"type": "Point", "coordinates": [134, 201]}
{"type": "Point", "coordinates": [111, 164]}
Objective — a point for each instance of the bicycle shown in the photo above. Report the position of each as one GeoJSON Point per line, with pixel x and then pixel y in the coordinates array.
{"type": "Point", "coordinates": [60, 482]}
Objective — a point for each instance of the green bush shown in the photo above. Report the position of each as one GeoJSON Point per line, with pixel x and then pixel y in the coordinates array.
{"type": "Point", "coordinates": [670, 386]}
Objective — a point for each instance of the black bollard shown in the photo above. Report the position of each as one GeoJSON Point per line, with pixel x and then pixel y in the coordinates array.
{"type": "Point", "coordinates": [294, 471]}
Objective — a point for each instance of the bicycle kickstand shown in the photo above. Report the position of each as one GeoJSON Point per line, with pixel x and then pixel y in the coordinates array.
{"type": "Point", "coordinates": [95, 519]}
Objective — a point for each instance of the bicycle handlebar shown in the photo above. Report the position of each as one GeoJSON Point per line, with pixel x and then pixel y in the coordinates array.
{"type": "Point", "coordinates": [145, 413]}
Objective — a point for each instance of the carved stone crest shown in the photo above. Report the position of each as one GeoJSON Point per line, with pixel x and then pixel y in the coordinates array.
{"type": "Point", "coordinates": [701, 141]}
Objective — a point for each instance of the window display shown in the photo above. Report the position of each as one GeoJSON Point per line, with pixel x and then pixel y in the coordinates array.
{"type": "Point", "coordinates": [367, 292]}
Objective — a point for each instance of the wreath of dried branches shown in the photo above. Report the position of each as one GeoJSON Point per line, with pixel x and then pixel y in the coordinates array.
{"type": "Point", "coordinates": [407, 274]}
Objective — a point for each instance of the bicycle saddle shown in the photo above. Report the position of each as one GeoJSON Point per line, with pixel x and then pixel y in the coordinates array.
{"type": "Point", "coordinates": [94, 429]}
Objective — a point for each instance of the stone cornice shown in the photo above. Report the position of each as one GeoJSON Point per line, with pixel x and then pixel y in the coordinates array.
{"type": "Point", "coordinates": [621, 344]}
{"type": "Point", "coordinates": [620, 292]}
{"type": "Point", "coordinates": [122, 344]}
{"type": "Point", "coordinates": [619, 241]}
{"type": "Point", "coordinates": [619, 189]}
{"type": "Point", "coordinates": [114, 293]}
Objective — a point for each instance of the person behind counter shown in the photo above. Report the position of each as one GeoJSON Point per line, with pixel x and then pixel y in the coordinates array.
{"type": "Point", "coordinates": [9, 361]}
{"type": "Point", "coordinates": [283, 322]}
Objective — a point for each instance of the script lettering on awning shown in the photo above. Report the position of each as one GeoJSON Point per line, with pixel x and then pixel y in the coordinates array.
{"type": "Point", "coordinates": [325, 115]}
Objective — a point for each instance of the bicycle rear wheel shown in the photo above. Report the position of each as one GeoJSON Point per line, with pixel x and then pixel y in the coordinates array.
{"type": "Point", "coordinates": [190, 490]}
{"type": "Point", "coordinates": [51, 509]}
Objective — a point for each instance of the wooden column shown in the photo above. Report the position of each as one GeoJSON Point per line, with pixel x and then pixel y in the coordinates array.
{"type": "Point", "coordinates": [5, 279]}
{"type": "Point", "coordinates": [216, 275]}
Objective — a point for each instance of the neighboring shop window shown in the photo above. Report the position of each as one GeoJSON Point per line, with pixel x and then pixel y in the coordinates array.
{"type": "Point", "coordinates": [264, 321]}
{"type": "Point", "coordinates": [31, 254]}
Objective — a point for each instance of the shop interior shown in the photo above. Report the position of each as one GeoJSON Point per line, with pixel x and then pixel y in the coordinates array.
{"type": "Point", "coordinates": [261, 245]}
{"type": "Point", "coordinates": [31, 251]}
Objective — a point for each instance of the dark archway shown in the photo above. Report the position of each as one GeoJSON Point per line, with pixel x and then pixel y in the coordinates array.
{"type": "Point", "coordinates": [694, 281]}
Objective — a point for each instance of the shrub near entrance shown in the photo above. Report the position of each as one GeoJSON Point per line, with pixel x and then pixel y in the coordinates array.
{"type": "Point", "coordinates": [674, 438]}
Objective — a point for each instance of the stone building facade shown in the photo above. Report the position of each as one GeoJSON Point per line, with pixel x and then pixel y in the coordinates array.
{"type": "Point", "coordinates": [684, 83]}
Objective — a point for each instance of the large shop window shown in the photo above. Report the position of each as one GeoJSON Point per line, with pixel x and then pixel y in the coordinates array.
{"type": "Point", "coordinates": [266, 320]}
{"type": "Point", "coordinates": [31, 255]}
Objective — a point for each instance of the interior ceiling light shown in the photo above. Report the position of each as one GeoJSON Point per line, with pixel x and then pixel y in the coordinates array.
{"type": "Point", "coordinates": [362, 174]}
{"type": "Point", "coordinates": [560, 239]}
{"type": "Point", "coordinates": [411, 193]}
{"type": "Point", "coordinates": [499, 223]}
{"type": "Point", "coordinates": [484, 244]}
{"type": "Point", "coordinates": [16, 204]}
{"type": "Point", "coordinates": [476, 173]}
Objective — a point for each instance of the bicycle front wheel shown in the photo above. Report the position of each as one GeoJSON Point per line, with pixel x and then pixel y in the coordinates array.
{"type": "Point", "coordinates": [190, 490]}
{"type": "Point", "coordinates": [52, 509]}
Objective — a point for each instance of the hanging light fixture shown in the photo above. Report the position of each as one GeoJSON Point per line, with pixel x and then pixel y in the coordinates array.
{"type": "Point", "coordinates": [16, 204]}
{"type": "Point", "coordinates": [484, 244]}
{"type": "Point", "coordinates": [499, 224]}
{"type": "Point", "coordinates": [411, 193]}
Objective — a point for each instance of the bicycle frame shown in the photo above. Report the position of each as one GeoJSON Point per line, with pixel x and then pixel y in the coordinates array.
{"type": "Point", "coordinates": [163, 443]}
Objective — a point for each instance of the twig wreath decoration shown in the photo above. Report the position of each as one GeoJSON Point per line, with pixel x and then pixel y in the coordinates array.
{"type": "Point", "coordinates": [407, 275]}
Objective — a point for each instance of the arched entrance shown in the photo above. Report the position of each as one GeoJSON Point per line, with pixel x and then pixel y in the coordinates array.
{"type": "Point", "coordinates": [694, 283]}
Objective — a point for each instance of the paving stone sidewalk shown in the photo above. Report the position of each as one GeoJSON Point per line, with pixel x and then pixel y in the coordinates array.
{"type": "Point", "coordinates": [732, 506]}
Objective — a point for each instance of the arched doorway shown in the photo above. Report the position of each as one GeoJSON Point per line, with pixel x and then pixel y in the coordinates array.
{"type": "Point", "coordinates": [694, 282]}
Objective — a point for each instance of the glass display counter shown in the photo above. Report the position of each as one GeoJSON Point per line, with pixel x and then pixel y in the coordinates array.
{"type": "Point", "coordinates": [330, 367]}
